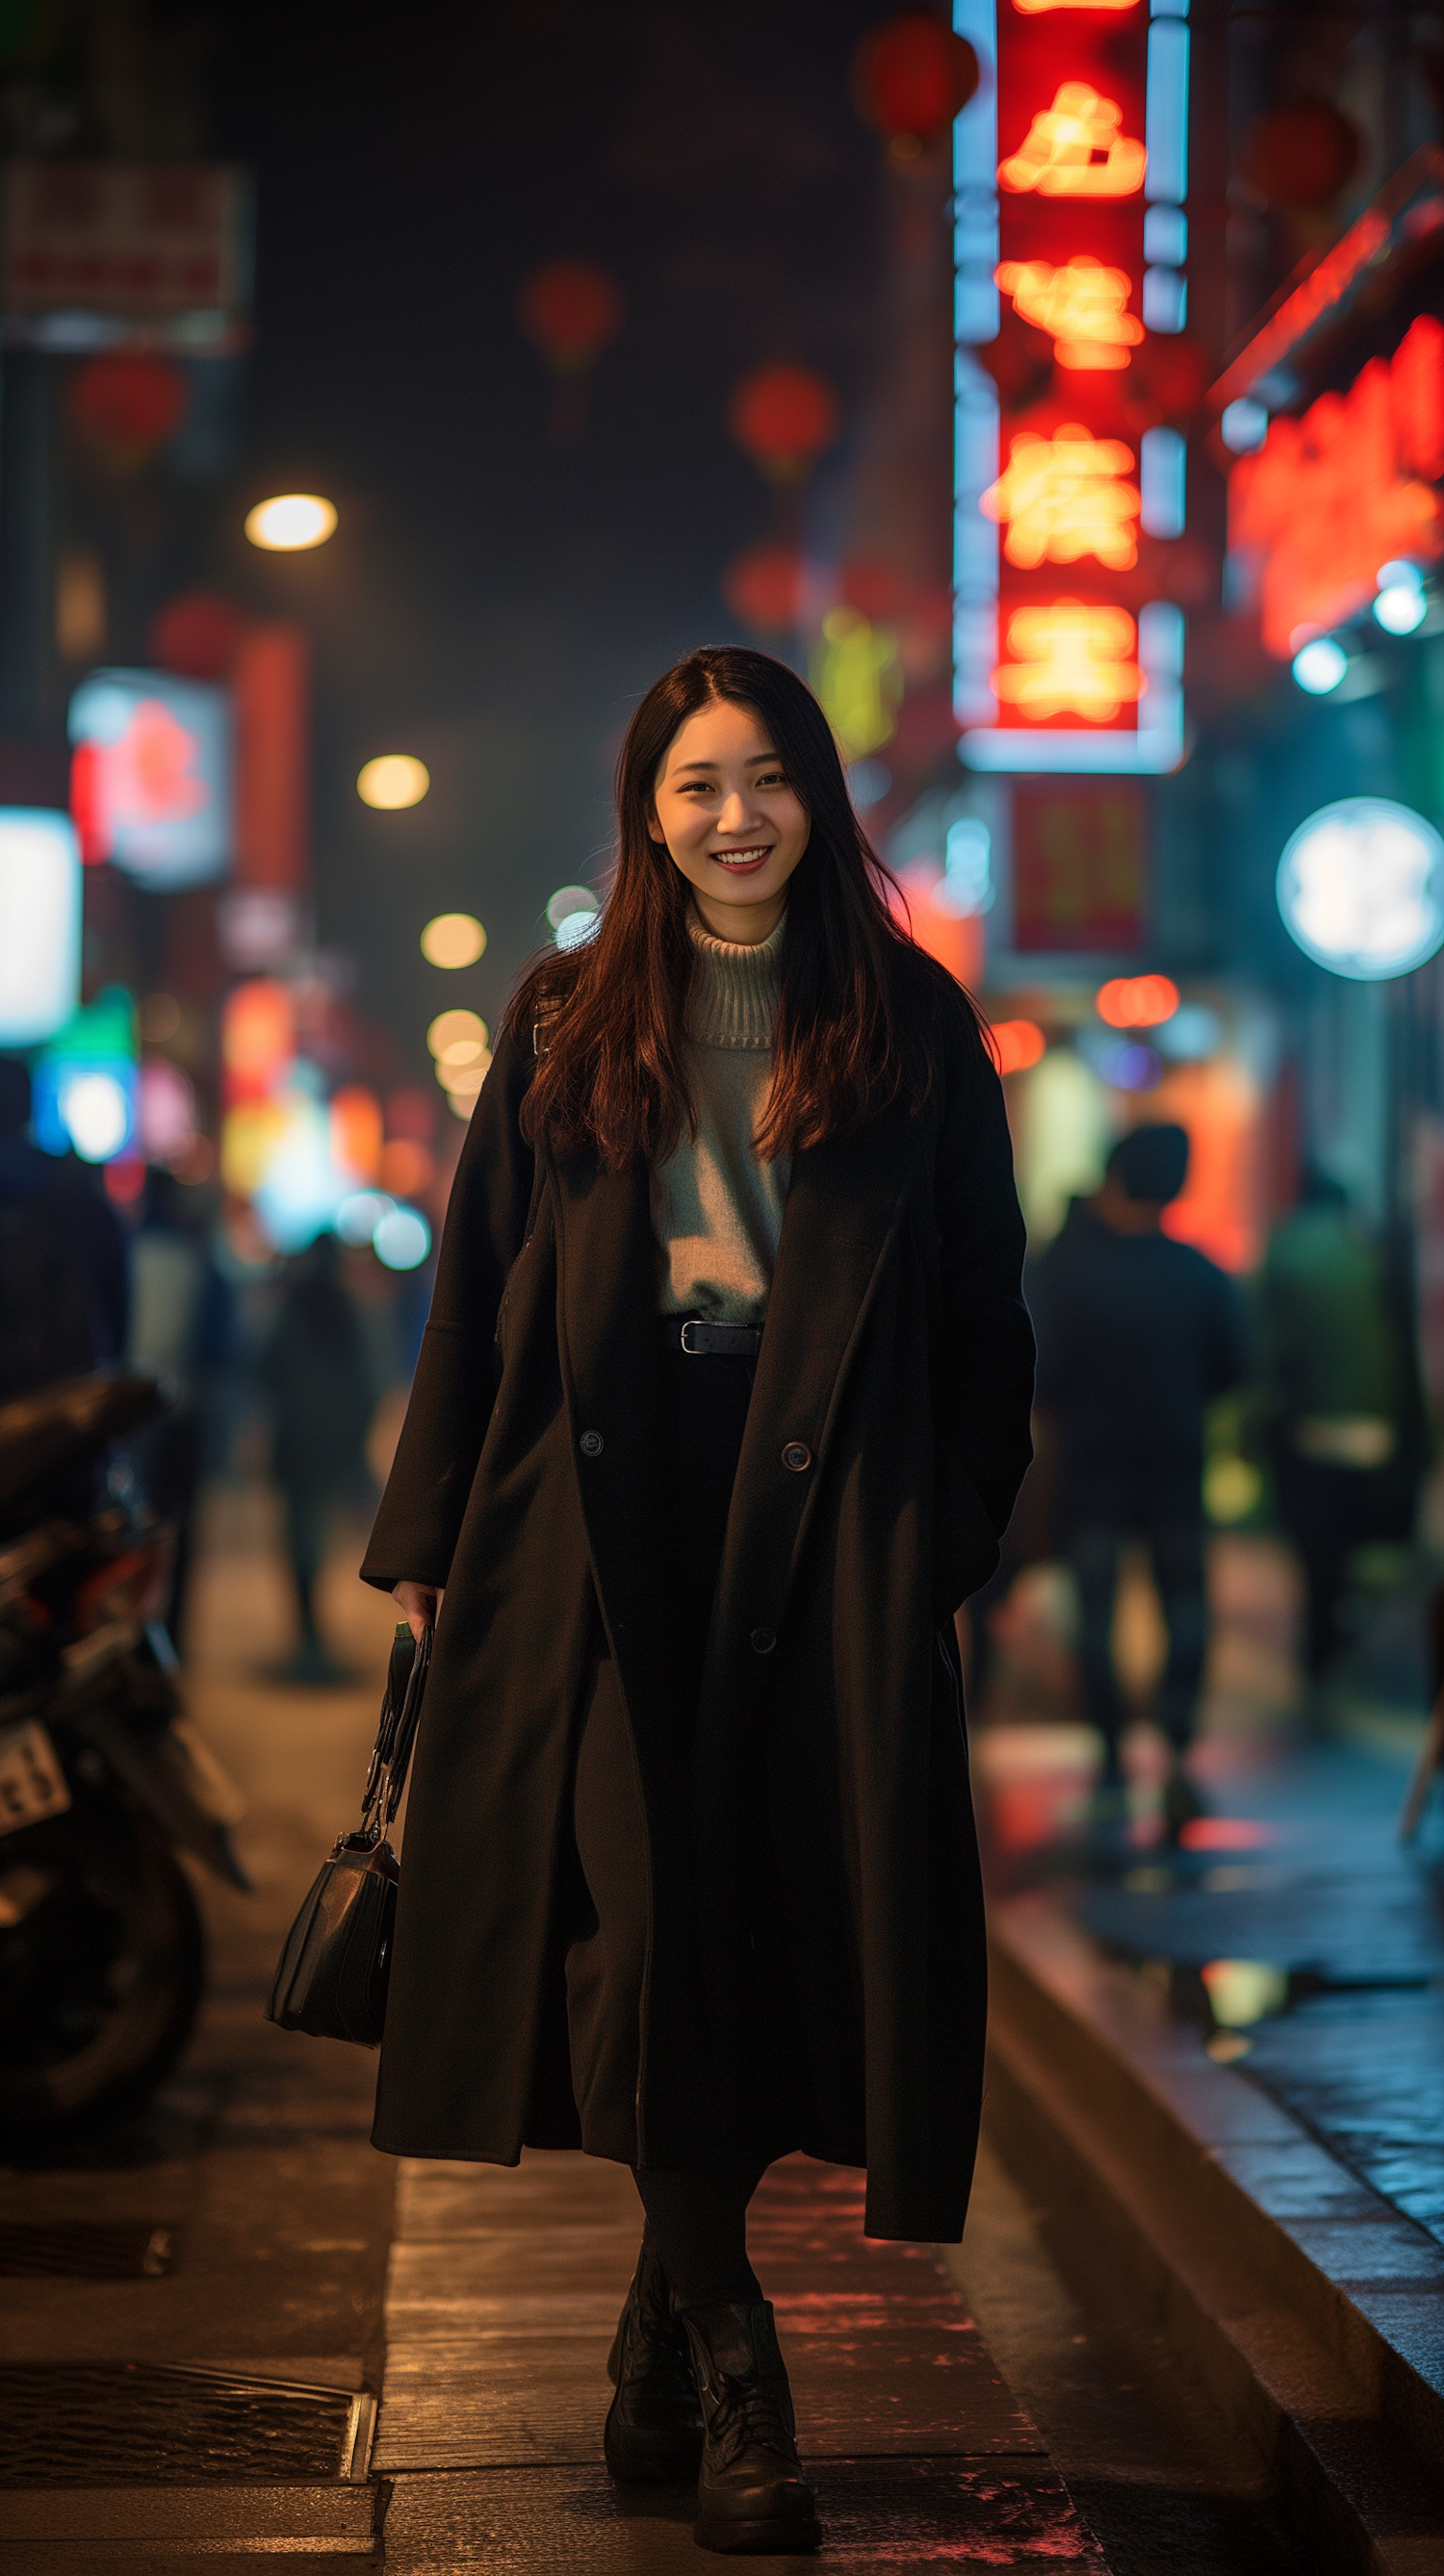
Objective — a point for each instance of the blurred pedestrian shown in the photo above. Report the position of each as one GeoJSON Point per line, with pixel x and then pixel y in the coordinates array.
{"type": "Point", "coordinates": [64, 1296]}
{"type": "Point", "coordinates": [179, 1313]}
{"type": "Point", "coordinates": [1341, 1397]}
{"type": "Point", "coordinates": [720, 1412]}
{"type": "Point", "coordinates": [1136, 1335]}
{"type": "Point", "coordinates": [315, 1367]}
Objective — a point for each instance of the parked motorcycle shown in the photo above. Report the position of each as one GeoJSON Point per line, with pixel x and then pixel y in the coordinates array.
{"type": "Point", "coordinates": [102, 1779]}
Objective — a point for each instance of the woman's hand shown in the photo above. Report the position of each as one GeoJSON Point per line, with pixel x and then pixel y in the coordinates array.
{"type": "Point", "coordinates": [419, 1604]}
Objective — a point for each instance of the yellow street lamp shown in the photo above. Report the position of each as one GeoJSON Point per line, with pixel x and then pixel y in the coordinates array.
{"type": "Point", "coordinates": [392, 781]}
{"type": "Point", "coordinates": [453, 939]}
{"type": "Point", "coordinates": [290, 522]}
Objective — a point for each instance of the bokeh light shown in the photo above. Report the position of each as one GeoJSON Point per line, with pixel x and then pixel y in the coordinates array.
{"type": "Point", "coordinates": [1319, 665]}
{"type": "Point", "coordinates": [1136, 1001]}
{"type": "Point", "coordinates": [394, 780]}
{"type": "Point", "coordinates": [1017, 1044]}
{"type": "Point", "coordinates": [574, 913]}
{"type": "Point", "coordinates": [453, 939]}
{"type": "Point", "coordinates": [402, 1238]}
{"type": "Point", "coordinates": [458, 1037]}
{"type": "Point", "coordinates": [290, 522]}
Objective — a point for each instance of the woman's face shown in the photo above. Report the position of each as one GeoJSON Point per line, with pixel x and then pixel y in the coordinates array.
{"type": "Point", "coordinates": [732, 823]}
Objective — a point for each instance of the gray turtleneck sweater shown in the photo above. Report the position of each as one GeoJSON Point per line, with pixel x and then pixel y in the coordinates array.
{"type": "Point", "coordinates": [717, 1210]}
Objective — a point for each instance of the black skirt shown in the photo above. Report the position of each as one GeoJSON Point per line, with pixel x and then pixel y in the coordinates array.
{"type": "Point", "coordinates": [729, 2073]}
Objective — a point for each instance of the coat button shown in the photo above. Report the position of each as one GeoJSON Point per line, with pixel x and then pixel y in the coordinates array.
{"type": "Point", "coordinates": [590, 1444]}
{"type": "Point", "coordinates": [797, 1456]}
{"type": "Point", "coordinates": [763, 1640]}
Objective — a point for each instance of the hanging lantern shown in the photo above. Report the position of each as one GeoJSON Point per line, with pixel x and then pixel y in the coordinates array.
{"type": "Point", "coordinates": [763, 589]}
{"type": "Point", "coordinates": [1300, 155]}
{"type": "Point", "coordinates": [785, 417]}
{"type": "Point", "coordinates": [911, 77]}
{"type": "Point", "coordinates": [570, 310]}
{"type": "Point", "coordinates": [128, 403]}
{"type": "Point", "coordinates": [197, 635]}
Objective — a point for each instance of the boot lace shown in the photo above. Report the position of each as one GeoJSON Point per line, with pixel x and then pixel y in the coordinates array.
{"type": "Point", "coordinates": [748, 2416]}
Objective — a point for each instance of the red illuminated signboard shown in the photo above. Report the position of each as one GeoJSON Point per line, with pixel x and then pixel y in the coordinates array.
{"type": "Point", "coordinates": [1331, 497]}
{"type": "Point", "coordinates": [1090, 168]}
{"type": "Point", "coordinates": [1080, 868]}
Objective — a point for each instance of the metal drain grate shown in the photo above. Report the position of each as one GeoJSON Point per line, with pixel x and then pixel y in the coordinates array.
{"type": "Point", "coordinates": [86, 2252]}
{"type": "Point", "coordinates": [96, 2424]}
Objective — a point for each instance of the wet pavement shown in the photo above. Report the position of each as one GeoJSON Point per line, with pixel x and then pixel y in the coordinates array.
{"type": "Point", "coordinates": [1298, 1933]}
{"type": "Point", "coordinates": [322, 2358]}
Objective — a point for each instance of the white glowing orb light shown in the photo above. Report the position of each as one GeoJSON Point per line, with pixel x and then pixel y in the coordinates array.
{"type": "Point", "coordinates": [1320, 665]}
{"type": "Point", "coordinates": [1401, 605]}
{"type": "Point", "coordinates": [358, 1217]}
{"type": "Point", "coordinates": [95, 1107]}
{"type": "Point", "coordinates": [393, 781]}
{"type": "Point", "coordinates": [575, 915]}
{"type": "Point", "coordinates": [291, 522]}
{"type": "Point", "coordinates": [402, 1239]}
{"type": "Point", "coordinates": [1361, 889]}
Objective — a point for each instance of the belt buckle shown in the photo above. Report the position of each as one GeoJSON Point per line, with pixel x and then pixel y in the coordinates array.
{"type": "Point", "coordinates": [694, 1350]}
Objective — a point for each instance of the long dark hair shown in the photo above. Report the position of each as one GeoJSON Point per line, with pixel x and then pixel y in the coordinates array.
{"type": "Point", "coordinates": [606, 1018]}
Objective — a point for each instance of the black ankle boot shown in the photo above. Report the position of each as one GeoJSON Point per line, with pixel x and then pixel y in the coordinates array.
{"type": "Point", "coordinates": [751, 2494]}
{"type": "Point", "coordinates": [653, 2432]}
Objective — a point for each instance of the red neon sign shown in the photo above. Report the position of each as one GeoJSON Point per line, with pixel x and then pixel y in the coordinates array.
{"type": "Point", "coordinates": [1331, 497]}
{"type": "Point", "coordinates": [1059, 155]}
{"type": "Point", "coordinates": [1072, 88]}
{"type": "Point", "coordinates": [1065, 497]}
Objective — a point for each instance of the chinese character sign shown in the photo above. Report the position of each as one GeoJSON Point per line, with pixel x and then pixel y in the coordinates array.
{"type": "Point", "coordinates": [1331, 497]}
{"type": "Point", "coordinates": [150, 784]}
{"type": "Point", "coordinates": [1075, 660]}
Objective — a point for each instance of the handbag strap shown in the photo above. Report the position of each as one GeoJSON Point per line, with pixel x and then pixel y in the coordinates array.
{"type": "Point", "coordinates": [396, 1730]}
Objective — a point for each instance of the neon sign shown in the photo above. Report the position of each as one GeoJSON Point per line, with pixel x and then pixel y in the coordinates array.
{"type": "Point", "coordinates": [1065, 497]}
{"type": "Point", "coordinates": [1070, 172]}
{"type": "Point", "coordinates": [1056, 155]}
{"type": "Point", "coordinates": [150, 783]}
{"type": "Point", "coordinates": [1329, 498]}
{"type": "Point", "coordinates": [1070, 659]}
{"type": "Point", "coordinates": [1083, 305]}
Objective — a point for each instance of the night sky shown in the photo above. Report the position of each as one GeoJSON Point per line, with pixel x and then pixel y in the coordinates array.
{"type": "Point", "coordinates": [494, 601]}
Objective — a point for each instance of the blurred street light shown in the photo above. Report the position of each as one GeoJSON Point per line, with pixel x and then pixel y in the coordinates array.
{"type": "Point", "coordinates": [453, 939]}
{"type": "Point", "coordinates": [291, 522]}
{"type": "Point", "coordinates": [393, 781]}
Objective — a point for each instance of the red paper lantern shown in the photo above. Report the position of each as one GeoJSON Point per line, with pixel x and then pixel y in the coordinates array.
{"type": "Point", "coordinates": [570, 310]}
{"type": "Point", "coordinates": [129, 400]}
{"type": "Point", "coordinates": [1300, 155]}
{"type": "Point", "coordinates": [784, 417]}
{"type": "Point", "coordinates": [197, 635]}
{"type": "Point", "coordinates": [913, 75]}
{"type": "Point", "coordinates": [763, 589]}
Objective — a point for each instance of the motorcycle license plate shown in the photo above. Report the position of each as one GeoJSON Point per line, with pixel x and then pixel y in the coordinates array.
{"type": "Point", "coordinates": [32, 1784]}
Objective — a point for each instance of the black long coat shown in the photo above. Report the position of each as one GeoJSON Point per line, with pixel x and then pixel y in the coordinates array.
{"type": "Point", "coordinates": [898, 1353]}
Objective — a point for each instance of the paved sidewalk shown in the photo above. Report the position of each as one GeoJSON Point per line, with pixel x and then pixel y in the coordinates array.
{"type": "Point", "coordinates": [503, 2295]}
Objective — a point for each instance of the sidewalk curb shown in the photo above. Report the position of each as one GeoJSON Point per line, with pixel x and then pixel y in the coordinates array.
{"type": "Point", "coordinates": [1312, 2309]}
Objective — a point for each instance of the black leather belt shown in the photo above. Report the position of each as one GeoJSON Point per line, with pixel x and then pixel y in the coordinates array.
{"type": "Point", "coordinates": [715, 1341]}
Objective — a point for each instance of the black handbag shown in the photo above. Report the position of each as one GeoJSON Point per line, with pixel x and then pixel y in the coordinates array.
{"type": "Point", "coordinates": [332, 1977]}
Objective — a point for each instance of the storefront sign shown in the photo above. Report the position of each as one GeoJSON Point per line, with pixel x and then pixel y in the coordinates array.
{"type": "Point", "coordinates": [143, 242]}
{"type": "Point", "coordinates": [1080, 869]}
{"type": "Point", "coordinates": [1071, 171]}
{"type": "Point", "coordinates": [1330, 498]}
{"type": "Point", "coordinates": [151, 777]}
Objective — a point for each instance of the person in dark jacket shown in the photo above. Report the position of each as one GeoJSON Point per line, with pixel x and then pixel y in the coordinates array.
{"type": "Point", "coordinates": [316, 1369]}
{"type": "Point", "coordinates": [721, 1408]}
{"type": "Point", "coordinates": [1136, 1336]}
{"type": "Point", "coordinates": [64, 1293]}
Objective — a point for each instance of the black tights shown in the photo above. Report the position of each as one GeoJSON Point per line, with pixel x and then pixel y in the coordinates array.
{"type": "Point", "coordinates": [697, 2223]}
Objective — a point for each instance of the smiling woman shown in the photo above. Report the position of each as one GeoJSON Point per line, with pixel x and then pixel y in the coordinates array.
{"type": "Point", "coordinates": [721, 1408]}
